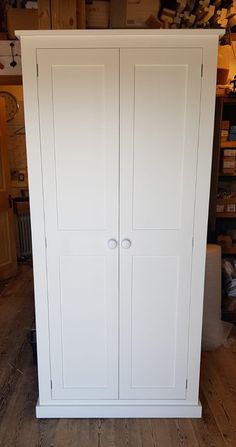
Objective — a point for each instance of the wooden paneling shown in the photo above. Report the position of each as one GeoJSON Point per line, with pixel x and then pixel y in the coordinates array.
{"type": "Point", "coordinates": [44, 14]}
{"type": "Point", "coordinates": [81, 18]}
{"type": "Point", "coordinates": [10, 80]}
{"type": "Point", "coordinates": [64, 14]}
{"type": "Point", "coordinates": [55, 14]}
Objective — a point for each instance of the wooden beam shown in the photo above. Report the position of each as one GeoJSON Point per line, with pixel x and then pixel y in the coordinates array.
{"type": "Point", "coordinates": [44, 14]}
{"type": "Point", "coordinates": [10, 80]}
{"type": "Point", "coordinates": [64, 14]}
{"type": "Point", "coordinates": [81, 14]}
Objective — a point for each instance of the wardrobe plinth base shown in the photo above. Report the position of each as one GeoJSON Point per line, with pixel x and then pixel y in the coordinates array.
{"type": "Point", "coordinates": [119, 411]}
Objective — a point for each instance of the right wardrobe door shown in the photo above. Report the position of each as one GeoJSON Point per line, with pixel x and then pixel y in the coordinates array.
{"type": "Point", "coordinates": [160, 106]}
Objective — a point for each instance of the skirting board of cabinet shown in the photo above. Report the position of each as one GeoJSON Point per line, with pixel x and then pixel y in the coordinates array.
{"type": "Point", "coordinates": [119, 411]}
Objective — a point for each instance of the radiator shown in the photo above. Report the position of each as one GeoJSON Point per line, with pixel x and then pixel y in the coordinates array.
{"type": "Point", "coordinates": [24, 236]}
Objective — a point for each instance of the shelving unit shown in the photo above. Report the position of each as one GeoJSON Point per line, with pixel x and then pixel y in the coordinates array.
{"type": "Point", "coordinates": [221, 221]}
{"type": "Point", "coordinates": [226, 215]}
{"type": "Point", "coordinates": [71, 14]}
{"type": "Point", "coordinates": [224, 183]}
{"type": "Point", "coordinates": [229, 251]}
{"type": "Point", "coordinates": [222, 174]}
{"type": "Point", "coordinates": [228, 144]}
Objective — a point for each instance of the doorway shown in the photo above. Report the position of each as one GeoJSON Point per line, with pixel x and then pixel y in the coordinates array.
{"type": "Point", "coordinates": [15, 211]}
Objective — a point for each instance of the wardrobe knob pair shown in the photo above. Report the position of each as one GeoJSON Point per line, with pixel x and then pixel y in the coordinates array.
{"type": "Point", "coordinates": [125, 243]}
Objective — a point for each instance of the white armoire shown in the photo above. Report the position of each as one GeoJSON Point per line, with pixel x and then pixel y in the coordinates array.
{"type": "Point", "coordinates": [119, 136]}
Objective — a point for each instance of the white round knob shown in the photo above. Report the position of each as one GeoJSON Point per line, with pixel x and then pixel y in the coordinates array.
{"type": "Point", "coordinates": [126, 243]}
{"type": "Point", "coordinates": [112, 243]}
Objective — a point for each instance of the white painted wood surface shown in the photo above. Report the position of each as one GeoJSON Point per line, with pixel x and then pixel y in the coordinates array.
{"type": "Point", "coordinates": [149, 251]}
{"type": "Point", "coordinates": [160, 107]}
{"type": "Point", "coordinates": [160, 33]}
{"type": "Point", "coordinates": [132, 410]}
{"type": "Point", "coordinates": [79, 106]}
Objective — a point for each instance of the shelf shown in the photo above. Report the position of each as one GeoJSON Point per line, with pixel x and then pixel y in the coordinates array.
{"type": "Point", "coordinates": [229, 251]}
{"type": "Point", "coordinates": [228, 144]}
{"type": "Point", "coordinates": [226, 215]}
{"type": "Point", "coordinates": [229, 100]}
{"type": "Point", "coordinates": [221, 174]}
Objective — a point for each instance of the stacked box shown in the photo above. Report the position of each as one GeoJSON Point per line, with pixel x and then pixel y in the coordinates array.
{"type": "Point", "coordinates": [224, 135]}
{"type": "Point", "coordinates": [226, 205]}
{"type": "Point", "coordinates": [132, 13]}
{"type": "Point", "coordinates": [21, 18]}
{"type": "Point", "coordinates": [225, 241]}
{"type": "Point", "coordinates": [230, 153]}
{"type": "Point", "coordinates": [232, 133]}
{"type": "Point", "coordinates": [225, 124]}
{"type": "Point", "coordinates": [229, 161]}
{"type": "Point", "coordinates": [225, 130]}
{"type": "Point", "coordinates": [97, 14]}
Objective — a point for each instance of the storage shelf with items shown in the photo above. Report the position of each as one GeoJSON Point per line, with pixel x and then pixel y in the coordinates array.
{"type": "Point", "coordinates": [226, 206]}
{"type": "Point", "coordinates": [229, 250]}
{"type": "Point", "coordinates": [222, 210]}
{"type": "Point", "coordinates": [228, 144]}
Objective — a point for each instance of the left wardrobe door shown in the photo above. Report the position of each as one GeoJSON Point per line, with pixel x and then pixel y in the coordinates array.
{"type": "Point", "coordinates": [79, 121]}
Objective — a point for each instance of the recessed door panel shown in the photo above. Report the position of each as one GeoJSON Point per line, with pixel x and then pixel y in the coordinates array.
{"type": "Point", "coordinates": [160, 107]}
{"type": "Point", "coordinates": [81, 103]}
{"type": "Point", "coordinates": [153, 314]}
{"type": "Point", "coordinates": [79, 119]}
{"type": "Point", "coordinates": [158, 145]}
{"type": "Point", "coordinates": [84, 333]}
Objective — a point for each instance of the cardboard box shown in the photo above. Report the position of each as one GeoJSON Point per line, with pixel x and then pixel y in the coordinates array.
{"type": "Point", "coordinates": [232, 137]}
{"type": "Point", "coordinates": [3, 36]}
{"type": "Point", "coordinates": [225, 241]}
{"type": "Point", "coordinates": [225, 124]}
{"type": "Point", "coordinates": [220, 207]}
{"type": "Point", "coordinates": [231, 207]}
{"type": "Point", "coordinates": [97, 14]}
{"type": "Point", "coordinates": [226, 205]}
{"type": "Point", "coordinates": [20, 19]}
{"type": "Point", "coordinates": [132, 13]}
{"type": "Point", "coordinates": [229, 152]}
{"type": "Point", "coordinates": [224, 134]}
{"type": "Point", "coordinates": [229, 171]}
{"type": "Point", "coordinates": [229, 163]}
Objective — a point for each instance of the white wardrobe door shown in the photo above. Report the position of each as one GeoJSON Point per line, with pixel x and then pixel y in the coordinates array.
{"type": "Point", "coordinates": [160, 104]}
{"type": "Point", "coordinates": [79, 120]}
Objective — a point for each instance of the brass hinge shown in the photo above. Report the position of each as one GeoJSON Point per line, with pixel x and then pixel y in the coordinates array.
{"type": "Point", "coordinates": [202, 71]}
{"type": "Point", "coordinates": [37, 69]}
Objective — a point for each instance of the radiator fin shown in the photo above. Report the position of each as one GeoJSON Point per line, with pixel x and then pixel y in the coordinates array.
{"type": "Point", "coordinates": [24, 236]}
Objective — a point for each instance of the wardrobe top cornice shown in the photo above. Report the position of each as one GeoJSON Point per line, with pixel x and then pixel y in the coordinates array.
{"type": "Point", "coordinates": [122, 33]}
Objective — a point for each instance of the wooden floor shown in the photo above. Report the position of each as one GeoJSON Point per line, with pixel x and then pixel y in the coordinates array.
{"type": "Point", "coordinates": [18, 394]}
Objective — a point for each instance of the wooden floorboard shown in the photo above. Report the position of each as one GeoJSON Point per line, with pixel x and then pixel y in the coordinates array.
{"type": "Point", "coordinates": [18, 394]}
